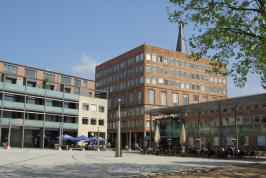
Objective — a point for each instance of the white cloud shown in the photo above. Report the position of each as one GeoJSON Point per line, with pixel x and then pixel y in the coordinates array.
{"type": "Point", "coordinates": [88, 66]}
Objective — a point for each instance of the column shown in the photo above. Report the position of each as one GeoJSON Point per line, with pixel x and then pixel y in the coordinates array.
{"type": "Point", "coordinates": [129, 144]}
{"type": "Point", "coordinates": [9, 134]}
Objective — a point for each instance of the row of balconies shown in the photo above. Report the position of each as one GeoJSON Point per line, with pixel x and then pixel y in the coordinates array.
{"type": "Point", "coordinates": [38, 91]}
{"type": "Point", "coordinates": [39, 108]}
{"type": "Point", "coordinates": [38, 123]}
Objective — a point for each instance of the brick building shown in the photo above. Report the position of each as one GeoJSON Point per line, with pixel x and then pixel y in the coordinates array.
{"type": "Point", "coordinates": [151, 77]}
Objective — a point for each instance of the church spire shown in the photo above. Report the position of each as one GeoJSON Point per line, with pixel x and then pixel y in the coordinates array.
{"type": "Point", "coordinates": [181, 44]}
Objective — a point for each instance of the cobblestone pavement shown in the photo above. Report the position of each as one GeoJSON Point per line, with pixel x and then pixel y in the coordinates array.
{"type": "Point", "coordinates": [53, 163]}
{"type": "Point", "coordinates": [243, 171]}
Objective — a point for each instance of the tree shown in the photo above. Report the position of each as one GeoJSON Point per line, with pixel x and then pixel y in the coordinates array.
{"type": "Point", "coordinates": [232, 33]}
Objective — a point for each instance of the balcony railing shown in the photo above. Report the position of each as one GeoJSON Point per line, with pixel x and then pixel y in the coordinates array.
{"type": "Point", "coordinates": [37, 123]}
{"type": "Point", "coordinates": [38, 91]}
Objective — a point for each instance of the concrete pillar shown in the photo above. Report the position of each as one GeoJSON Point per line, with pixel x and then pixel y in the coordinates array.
{"type": "Point", "coordinates": [42, 138]}
{"type": "Point", "coordinates": [0, 135]}
{"type": "Point", "coordinates": [129, 144]}
{"type": "Point", "coordinates": [127, 139]}
{"type": "Point", "coordinates": [9, 134]}
{"type": "Point", "coordinates": [22, 136]}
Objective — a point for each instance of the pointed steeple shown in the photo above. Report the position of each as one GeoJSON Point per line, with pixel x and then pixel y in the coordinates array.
{"type": "Point", "coordinates": [181, 44]}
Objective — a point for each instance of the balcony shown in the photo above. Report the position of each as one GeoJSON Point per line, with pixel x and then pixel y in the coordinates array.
{"type": "Point", "coordinates": [51, 109]}
{"type": "Point", "coordinates": [72, 97]}
{"type": "Point", "coordinates": [33, 123]}
{"type": "Point", "coordinates": [70, 126]}
{"type": "Point", "coordinates": [35, 107]}
{"type": "Point", "coordinates": [71, 111]}
{"type": "Point", "coordinates": [38, 91]}
{"type": "Point", "coordinates": [12, 87]}
{"type": "Point", "coordinates": [13, 105]}
{"type": "Point", "coordinates": [49, 124]}
{"type": "Point", "coordinates": [54, 94]}
{"type": "Point", "coordinates": [17, 122]}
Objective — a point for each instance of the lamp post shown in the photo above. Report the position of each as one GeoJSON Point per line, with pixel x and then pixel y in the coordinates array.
{"type": "Point", "coordinates": [118, 133]}
{"type": "Point", "coordinates": [98, 146]}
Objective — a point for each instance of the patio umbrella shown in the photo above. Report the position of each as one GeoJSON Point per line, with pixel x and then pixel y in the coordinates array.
{"type": "Point", "coordinates": [82, 138]}
{"type": "Point", "coordinates": [183, 137]}
{"type": "Point", "coordinates": [157, 135]}
{"type": "Point", "coordinates": [96, 138]}
{"type": "Point", "coordinates": [68, 137]}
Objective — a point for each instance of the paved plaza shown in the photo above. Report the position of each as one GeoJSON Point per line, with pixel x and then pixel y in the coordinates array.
{"type": "Point", "coordinates": [53, 163]}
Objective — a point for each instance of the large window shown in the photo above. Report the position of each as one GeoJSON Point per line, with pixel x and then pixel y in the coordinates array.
{"type": "Point", "coordinates": [101, 108]}
{"type": "Point", "coordinates": [30, 73]}
{"type": "Point", "coordinates": [185, 99]}
{"type": "Point", "coordinates": [66, 80]}
{"type": "Point", "coordinates": [151, 97]}
{"type": "Point", "coordinates": [139, 97]}
{"type": "Point", "coordinates": [86, 107]}
{"type": "Point", "coordinates": [101, 122]}
{"type": "Point", "coordinates": [163, 97]}
{"type": "Point", "coordinates": [85, 120]}
{"type": "Point", "coordinates": [175, 99]}
{"type": "Point", "coordinates": [109, 103]}
{"type": "Point", "coordinates": [10, 69]}
{"type": "Point", "coordinates": [49, 76]}
{"type": "Point", "coordinates": [77, 86]}
{"type": "Point", "coordinates": [93, 121]}
{"type": "Point", "coordinates": [196, 98]}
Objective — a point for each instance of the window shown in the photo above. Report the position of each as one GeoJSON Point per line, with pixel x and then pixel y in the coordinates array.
{"type": "Point", "coordinates": [93, 107]}
{"type": "Point", "coordinates": [77, 84]}
{"type": "Point", "coordinates": [49, 76]}
{"type": "Point", "coordinates": [66, 80]}
{"type": "Point", "coordinates": [93, 121]}
{"type": "Point", "coordinates": [151, 97]}
{"type": "Point", "coordinates": [101, 122]}
{"type": "Point", "coordinates": [206, 98]}
{"type": "Point", "coordinates": [175, 99]}
{"type": "Point", "coordinates": [148, 56]}
{"type": "Point", "coordinates": [261, 140]}
{"type": "Point", "coordinates": [10, 69]}
{"type": "Point", "coordinates": [85, 120]}
{"type": "Point", "coordinates": [109, 103]}
{"type": "Point", "coordinates": [196, 99]}
{"type": "Point", "coordinates": [30, 73]}
{"type": "Point", "coordinates": [163, 97]}
{"type": "Point", "coordinates": [185, 99]}
{"type": "Point", "coordinates": [30, 100]}
{"type": "Point", "coordinates": [49, 102]}
{"type": "Point", "coordinates": [131, 98]}
{"type": "Point", "coordinates": [139, 97]}
{"type": "Point", "coordinates": [101, 108]}
{"type": "Point", "coordinates": [8, 97]}
{"type": "Point", "coordinates": [86, 107]}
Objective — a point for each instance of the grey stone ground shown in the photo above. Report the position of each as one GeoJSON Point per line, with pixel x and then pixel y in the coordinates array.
{"type": "Point", "coordinates": [54, 164]}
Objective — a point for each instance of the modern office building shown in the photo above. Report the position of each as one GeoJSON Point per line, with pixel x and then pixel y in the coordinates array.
{"type": "Point", "coordinates": [37, 106]}
{"type": "Point", "coordinates": [238, 122]}
{"type": "Point", "coordinates": [151, 77]}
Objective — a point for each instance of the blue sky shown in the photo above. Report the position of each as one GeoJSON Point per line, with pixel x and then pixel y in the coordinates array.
{"type": "Point", "coordinates": [72, 36]}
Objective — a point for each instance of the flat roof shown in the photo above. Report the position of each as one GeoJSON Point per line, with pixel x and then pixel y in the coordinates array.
{"type": "Point", "coordinates": [197, 106]}
{"type": "Point", "coordinates": [143, 45]}
{"type": "Point", "coordinates": [36, 68]}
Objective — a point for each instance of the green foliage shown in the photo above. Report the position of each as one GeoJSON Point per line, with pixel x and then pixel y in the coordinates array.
{"type": "Point", "coordinates": [46, 81]}
{"type": "Point", "coordinates": [229, 32]}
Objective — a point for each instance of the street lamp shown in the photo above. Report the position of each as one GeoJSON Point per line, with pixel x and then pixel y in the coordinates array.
{"type": "Point", "coordinates": [118, 133]}
{"type": "Point", "coordinates": [98, 146]}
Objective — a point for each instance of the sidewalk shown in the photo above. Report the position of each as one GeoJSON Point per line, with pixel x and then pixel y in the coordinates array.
{"type": "Point", "coordinates": [250, 170]}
